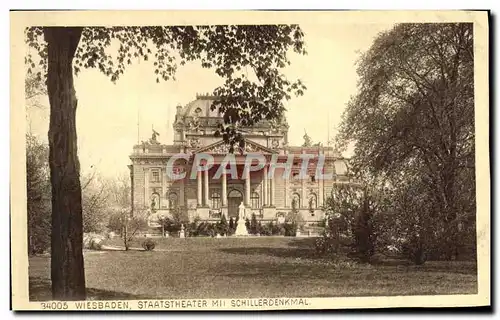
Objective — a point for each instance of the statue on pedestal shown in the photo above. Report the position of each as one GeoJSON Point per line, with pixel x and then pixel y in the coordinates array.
{"type": "Point", "coordinates": [182, 234]}
{"type": "Point", "coordinates": [241, 211]}
{"type": "Point", "coordinates": [241, 229]}
{"type": "Point", "coordinates": [154, 136]}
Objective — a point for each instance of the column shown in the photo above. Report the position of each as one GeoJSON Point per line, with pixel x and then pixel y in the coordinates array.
{"type": "Point", "coordinates": [271, 182]}
{"type": "Point", "coordinates": [207, 190]}
{"type": "Point", "coordinates": [321, 190]}
{"type": "Point", "coordinates": [224, 188]}
{"type": "Point", "coordinates": [264, 183]}
{"type": "Point", "coordinates": [303, 196]}
{"type": "Point", "coordinates": [164, 196]}
{"type": "Point", "coordinates": [182, 201]}
{"type": "Point", "coordinates": [146, 188]}
{"type": "Point", "coordinates": [247, 188]}
{"type": "Point", "coordinates": [286, 191]}
{"type": "Point", "coordinates": [200, 189]}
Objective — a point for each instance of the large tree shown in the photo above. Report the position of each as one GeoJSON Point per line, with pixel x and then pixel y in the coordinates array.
{"type": "Point", "coordinates": [64, 51]}
{"type": "Point", "coordinates": [414, 116]}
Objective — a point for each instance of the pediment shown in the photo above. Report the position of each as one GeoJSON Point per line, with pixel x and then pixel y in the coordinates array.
{"type": "Point", "coordinates": [222, 148]}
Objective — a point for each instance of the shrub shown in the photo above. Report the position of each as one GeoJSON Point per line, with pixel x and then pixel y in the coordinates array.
{"type": "Point", "coordinates": [191, 227]}
{"type": "Point", "coordinates": [414, 250]}
{"type": "Point", "coordinates": [336, 239]}
{"type": "Point", "coordinates": [266, 230]}
{"type": "Point", "coordinates": [253, 228]}
{"type": "Point", "coordinates": [279, 230]}
{"type": "Point", "coordinates": [148, 244]}
{"type": "Point", "coordinates": [364, 239]}
{"type": "Point", "coordinates": [222, 226]}
{"type": "Point", "coordinates": [295, 217]}
{"type": "Point", "coordinates": [38, 240]}
{"type": "Point", "coordinates": [247, 224]}
{"type": "Point", "coordinates": [205, 229]}
{"type": "Point", "coordinates": [232, 226]}
{"type": "Point", "coordinates": [290, 229]}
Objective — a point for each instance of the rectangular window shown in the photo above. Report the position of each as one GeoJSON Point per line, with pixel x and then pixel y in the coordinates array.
{"type": "Point", "coordinates": [155, 176]}
{"type": "Point", "coordinates": [254, 201]}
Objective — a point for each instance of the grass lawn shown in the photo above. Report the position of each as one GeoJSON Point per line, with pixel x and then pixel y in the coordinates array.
{"type": "Point", "coordinates": [248, 268]}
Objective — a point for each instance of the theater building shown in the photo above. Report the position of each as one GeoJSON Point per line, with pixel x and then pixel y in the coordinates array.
{"type": "Point", "coordinates": [206, 196]}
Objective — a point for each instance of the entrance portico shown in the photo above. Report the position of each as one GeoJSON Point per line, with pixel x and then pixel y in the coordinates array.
{"type": "Point", "coordinates": [223, 193]}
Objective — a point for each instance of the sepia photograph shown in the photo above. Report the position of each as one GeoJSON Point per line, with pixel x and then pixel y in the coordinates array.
{"type": "Point", "coordinates": [249, 160]}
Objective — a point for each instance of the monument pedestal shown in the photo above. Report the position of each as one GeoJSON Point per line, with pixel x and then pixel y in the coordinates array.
{"type": "Point", "coordinates": [241, 228]}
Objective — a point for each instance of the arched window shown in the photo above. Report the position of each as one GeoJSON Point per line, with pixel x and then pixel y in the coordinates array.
{"type": "Point", "coordinates": [254, 200]}
{"type": "Point", "coordinates": [173, 200]}
{"type": "Point", "coordinates": [215, 200]}
{"type": "Point", "coordinates": [234, 193]}
{"type": "Point", "coordinates": [295, 201]}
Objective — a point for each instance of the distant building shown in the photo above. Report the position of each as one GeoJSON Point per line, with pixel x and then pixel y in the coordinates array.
{"type": "Point", "coordinates": [206, 197]}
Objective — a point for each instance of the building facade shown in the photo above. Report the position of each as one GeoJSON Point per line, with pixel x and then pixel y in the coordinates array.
{"type": "Point", "coordinates": [206, 196]}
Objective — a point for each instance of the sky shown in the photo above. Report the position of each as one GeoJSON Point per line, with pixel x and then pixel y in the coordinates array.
{"type": "Point", "coordinates": [108, 114]}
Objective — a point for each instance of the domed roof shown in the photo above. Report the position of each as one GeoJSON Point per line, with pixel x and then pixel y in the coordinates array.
{"type": "Point", "coordinates": [199, 107]}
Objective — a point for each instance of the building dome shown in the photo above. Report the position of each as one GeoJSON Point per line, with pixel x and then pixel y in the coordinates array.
{"type": "Point", "coordinates": [199, 107]}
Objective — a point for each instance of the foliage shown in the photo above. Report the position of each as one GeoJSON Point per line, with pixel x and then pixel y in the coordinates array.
{"type": "Point", "coordinates": [247, 224]}
{"type": "Point", "coordinates": [115, 222]}
{"type": "Point", "coordinates": [169, 225]}
{"type": "Point", "coordinates": [34, 88]}
{"type": "Point", "coordinates": [131, 226]}
{"type": "Point", "coordinates": [232, 225]}
{"type": "Point", "coordinates": [364, 242]}
{"type": "Point", "coordinates": [253, 227]}
{"type": "Point", "coordinates": [117, 200]}
{"type": "Point", "coordinates": [149, 244]}
{"type": "Point", "coordinates": [179, 216]}
{"type": "Point", "coordinates": [226, 49]}
{"type": "Point", "coordinates": [94, 203]}
{"type": "Point", "coordinates": [352, 226]}
{"type": "Point", "coordinates": [290, 229]}
{"type": "Point", "coordinates": [222, 226]}
{"type": "Point", "coordinates": [265, 230]}
{"type": "Point", "coordinates": [413, 127]}
{"type": "Point", "coordinates": [191, 227]}
{"type": "Point", "coordinates": [336, 238]}
{"type": "Point", "coordinates": [95, 199]}
{"type": "Point", "coordinates": [295, 217]}
{"type": "Point", "coordinates": [173, 224]}
{"type": "Point", "coordinates": [205, 229]}
{"type": "Point", "coordinates": [271, 229]}
{"type": "Point", "coordinates": [38, 195]}
{"type": "Point", "coordinates": [118, 191]}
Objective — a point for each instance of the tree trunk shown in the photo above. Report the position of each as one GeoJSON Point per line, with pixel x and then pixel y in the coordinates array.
{"type": "Point", "coordinates": [67, 268]}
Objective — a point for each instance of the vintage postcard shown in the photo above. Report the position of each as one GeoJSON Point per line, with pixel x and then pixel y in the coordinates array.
{"type": "Point", "coordinates": [249, 160]}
